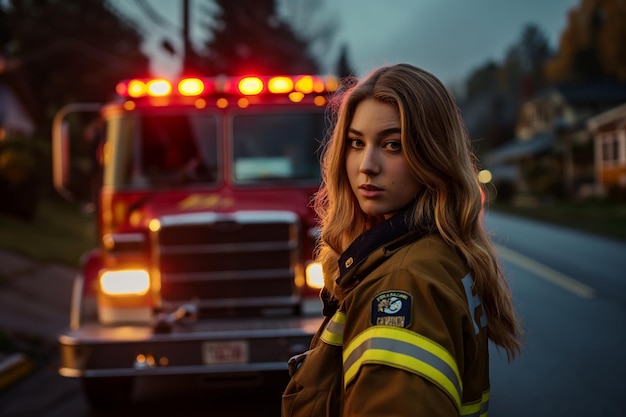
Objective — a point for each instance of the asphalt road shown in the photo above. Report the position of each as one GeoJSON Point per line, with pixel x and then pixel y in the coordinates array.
{"type": "Point", "coordinates": [569, 287]}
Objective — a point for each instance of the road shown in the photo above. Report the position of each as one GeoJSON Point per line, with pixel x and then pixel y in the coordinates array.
{"type": "Point", "coordinates": [569, 287]}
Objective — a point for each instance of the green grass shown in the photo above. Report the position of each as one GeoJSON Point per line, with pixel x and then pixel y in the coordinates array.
{"type": "Point", "coordinates": [596, 217]}
{"type": "Point", "coordinates": [59, 233]}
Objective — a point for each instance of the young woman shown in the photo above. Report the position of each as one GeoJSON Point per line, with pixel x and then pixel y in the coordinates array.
{"type": "Point", "coordinates": [413, 289]}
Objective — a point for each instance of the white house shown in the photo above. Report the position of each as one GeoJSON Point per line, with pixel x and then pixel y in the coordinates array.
{"type": "Point", "coordinates": [609, 136]}
{"type": "Point", "coordinates": [14, 117]}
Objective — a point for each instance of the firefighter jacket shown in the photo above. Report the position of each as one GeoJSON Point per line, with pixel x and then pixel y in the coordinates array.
{"type": "Point", "coordinates": [408, 339]}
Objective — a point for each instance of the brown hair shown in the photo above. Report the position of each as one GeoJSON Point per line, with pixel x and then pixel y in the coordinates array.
{"type": "Point", "coordinates": [438, 151]}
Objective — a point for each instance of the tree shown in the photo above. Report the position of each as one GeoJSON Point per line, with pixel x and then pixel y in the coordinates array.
{"type": "Point", "coordinates": [483, 80]}
{"type": "Point", "coordinates": [344, 69]}
{"type": "Point", "coordinates": [523, 67]}
{"type": "Point", "coordinates": [521, 71]}
{"type": "Point", "coordinates": [248, 36]}
{"type": "Point", "coordinates": [69, 50]}
{"type": "Point", "coordinates": [316, 29]}
{"type": "Point", "coordinates": [593, 45]}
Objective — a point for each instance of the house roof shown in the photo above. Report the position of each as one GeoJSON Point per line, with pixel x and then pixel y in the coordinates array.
{"type": "Point", "coordinates": [597, 94]}
{"type": "Point", "coordinates": [15, 82]}
{"type": "Point", "coordinates": [609, 116]}
{"type": "Point", "coordinates": [518, 149]}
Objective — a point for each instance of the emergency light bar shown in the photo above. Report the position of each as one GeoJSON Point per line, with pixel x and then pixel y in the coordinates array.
{"type": "Point", "coordinates": [246, 86]}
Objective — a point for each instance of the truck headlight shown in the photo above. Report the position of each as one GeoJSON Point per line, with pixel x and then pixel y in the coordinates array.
{"type": "Point", "coordinates": [125, 282]}
{"type": "Point", "coordinates": [314, 275]}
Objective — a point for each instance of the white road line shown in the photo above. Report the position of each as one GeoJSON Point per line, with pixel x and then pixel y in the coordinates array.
{"type": "Point", "coordinates": [546, 272]}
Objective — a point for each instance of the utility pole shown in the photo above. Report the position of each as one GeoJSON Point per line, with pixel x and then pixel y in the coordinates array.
{"type": "Point", "coordinates": [187, 60]}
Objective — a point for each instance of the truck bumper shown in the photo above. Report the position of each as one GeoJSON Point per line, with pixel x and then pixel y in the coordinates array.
{"type": "Point", "coordinates": [218, 347]}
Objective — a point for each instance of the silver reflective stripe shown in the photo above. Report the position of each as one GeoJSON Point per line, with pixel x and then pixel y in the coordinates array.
{"type": "Point", "coordinates": [333, 333]}
{"type": "Point", "coordinates": [476, 409]}
{"type": "Point", "coordinates": [386, 354]}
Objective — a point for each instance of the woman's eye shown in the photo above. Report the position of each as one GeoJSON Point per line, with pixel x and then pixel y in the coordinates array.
{"type": "Point", "coordinates": [393, 146]}
{"type": "Point", "coordinates": [355, 143]}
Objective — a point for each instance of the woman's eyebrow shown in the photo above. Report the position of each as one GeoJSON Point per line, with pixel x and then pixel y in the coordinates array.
{"type": "Point", "coordinates": [388, 132]}
{"type": "Point", "coordinates": [354, 131]}
{"type": "Point", "coordinates": [381, 134]}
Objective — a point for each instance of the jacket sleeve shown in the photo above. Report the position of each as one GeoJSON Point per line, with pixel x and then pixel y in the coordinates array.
{"type": "Point", "coordinates": [404, 346]}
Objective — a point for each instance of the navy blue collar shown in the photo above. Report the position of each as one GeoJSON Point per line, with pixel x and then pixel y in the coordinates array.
{"type": "Point", "coordinates": [391, 230]}
{"type": "Point", "coordinates": [372, 239]}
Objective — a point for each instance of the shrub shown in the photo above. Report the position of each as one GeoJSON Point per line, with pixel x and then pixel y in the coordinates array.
{"type": "Point", "coordinates": [24, 175]}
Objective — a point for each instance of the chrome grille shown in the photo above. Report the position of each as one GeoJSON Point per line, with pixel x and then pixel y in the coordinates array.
{"type": "Point", "coordinates": [238, 260]}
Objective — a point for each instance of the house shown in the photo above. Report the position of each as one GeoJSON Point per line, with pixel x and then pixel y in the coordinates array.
{"type": "Point", "coordinates": [17, 114]}
{"type": "Point", "coordinates": [608, 130]}
{"type": "Point", "coordinates": [552, 154]}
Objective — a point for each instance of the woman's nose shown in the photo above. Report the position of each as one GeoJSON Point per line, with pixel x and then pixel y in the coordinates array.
{"type": "Point", "coordinates": [369, 162]}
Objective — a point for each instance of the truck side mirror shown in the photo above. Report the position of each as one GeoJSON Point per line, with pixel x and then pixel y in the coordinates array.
{"type": "Point", "coordinates": [60, 158]}
{"type": "Point", "coordinates": [61, 146]}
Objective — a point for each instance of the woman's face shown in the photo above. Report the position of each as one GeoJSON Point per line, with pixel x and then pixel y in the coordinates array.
{"type": "Point", "coordinates": [377, 170]}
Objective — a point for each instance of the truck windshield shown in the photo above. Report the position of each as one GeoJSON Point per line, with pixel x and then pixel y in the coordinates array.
{"type": "Point", "coordinates": [277, 146]}
{"type": "Point", "coordinates": [162, 149]}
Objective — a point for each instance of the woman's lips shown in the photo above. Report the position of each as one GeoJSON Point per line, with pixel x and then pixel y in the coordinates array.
{"type": "Point", "coordinates": [370, 191]}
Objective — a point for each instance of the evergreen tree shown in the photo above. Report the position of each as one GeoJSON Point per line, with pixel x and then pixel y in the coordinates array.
{"type": "Point", "coordinates": [344, 69]}
{"type": "Point", "coordinates": [248, 37]}
{"type": "Point", "coordinates": [69, 50]}
{"type": "Point", "coordinates": [523, 68]}
{"type": "Point", "coordinates": [593, 45]}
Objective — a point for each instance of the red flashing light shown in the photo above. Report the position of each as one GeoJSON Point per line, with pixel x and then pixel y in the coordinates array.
{"type": "Point", "coordinates": [296, 87]}
{"type": "Point", "coordinates": [121, 89]}
{"type": "Point", "coordinates": [191, 87]}
{"type": "Point", "coordinates": [136, 88]}
{"type": "Point", "coordinates": [305, 84]}
{"type": "Point", "coordinates": [159, 88]}
{"type": "Point", "coordinates": [279, 85]}
{"type": "Point", "coordinates": [250, 86]}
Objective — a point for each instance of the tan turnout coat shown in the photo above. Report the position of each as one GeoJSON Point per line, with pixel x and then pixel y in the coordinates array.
{"type": "Point", "coordinates": [409, 339]}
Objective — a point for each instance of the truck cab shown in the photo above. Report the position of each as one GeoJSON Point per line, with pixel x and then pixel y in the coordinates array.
{"type": "Point", "coordinates": [204, 267]}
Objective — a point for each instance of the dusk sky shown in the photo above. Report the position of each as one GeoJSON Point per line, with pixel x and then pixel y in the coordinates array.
{"type": "Point", "coordinates": [450, 38]}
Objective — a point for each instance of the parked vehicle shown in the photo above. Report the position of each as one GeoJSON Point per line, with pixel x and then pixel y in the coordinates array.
{"type": "Point", "coordinates": [204, 267]}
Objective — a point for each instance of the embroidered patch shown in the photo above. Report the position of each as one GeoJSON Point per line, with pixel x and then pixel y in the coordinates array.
{"type": "Point", "coordinates": [392, 308]}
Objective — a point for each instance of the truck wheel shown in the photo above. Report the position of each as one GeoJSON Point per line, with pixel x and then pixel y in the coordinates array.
{"type": "Point", "coordinates": [108, 393]}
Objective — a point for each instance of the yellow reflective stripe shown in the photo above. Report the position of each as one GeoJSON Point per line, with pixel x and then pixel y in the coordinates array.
{"type": "Point", "coordinates": [333, 333]}
{"type": "Point", "coordinates": [403, 349]}
{"type": "Point", "coordinates": [477, 408]}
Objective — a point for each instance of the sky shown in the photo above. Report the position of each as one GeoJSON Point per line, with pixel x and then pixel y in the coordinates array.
{"type": "Point", "coordinates": [449, 38]}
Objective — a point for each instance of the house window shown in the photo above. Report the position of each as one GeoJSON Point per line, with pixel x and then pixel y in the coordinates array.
{"type": "Point", "coordinates": [612, 145]}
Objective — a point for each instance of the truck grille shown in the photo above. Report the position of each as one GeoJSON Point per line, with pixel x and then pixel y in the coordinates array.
{"type": "Point", "coordinates": [229, 264]}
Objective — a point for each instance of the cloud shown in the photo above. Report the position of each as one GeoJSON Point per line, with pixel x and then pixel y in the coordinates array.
{"type": "Point", "coordinates": [447, 37]}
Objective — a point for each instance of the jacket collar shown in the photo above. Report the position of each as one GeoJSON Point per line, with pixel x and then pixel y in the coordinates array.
{"type": "Point", "coordinates": [390, 234]}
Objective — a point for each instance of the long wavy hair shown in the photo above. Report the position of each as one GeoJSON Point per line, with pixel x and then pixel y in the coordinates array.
{"type": "Point", "coordinates": [437, 148]}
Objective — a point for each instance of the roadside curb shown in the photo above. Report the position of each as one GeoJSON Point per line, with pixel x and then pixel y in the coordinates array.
{"type": "Point", "coordinates": [14, 367]}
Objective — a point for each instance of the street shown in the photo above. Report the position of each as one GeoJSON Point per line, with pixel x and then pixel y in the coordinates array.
{"type": "Point", "coordinates": [569, 288]}
{"type": "Point", "coordinates": [570, 291]}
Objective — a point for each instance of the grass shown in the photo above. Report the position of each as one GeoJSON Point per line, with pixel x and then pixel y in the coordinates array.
{"type": "Point", "coordinates": [59, 233]}
{"type": "Point", "coordinates": [596, 217]}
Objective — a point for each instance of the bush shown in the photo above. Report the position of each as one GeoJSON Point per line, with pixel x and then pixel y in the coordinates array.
{"type": "Point", "coordinates": [24, 175]}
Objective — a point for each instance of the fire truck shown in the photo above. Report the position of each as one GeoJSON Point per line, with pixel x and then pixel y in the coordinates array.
{"type": "Point", "coordinates": [204, 267]}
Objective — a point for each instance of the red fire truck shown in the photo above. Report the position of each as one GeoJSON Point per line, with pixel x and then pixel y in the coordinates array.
{"type": "Point", "coordinates": [205, 232]}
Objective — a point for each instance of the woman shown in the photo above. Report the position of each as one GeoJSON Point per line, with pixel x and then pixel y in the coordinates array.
{"type": "Point", "coordinates": [413, 289]}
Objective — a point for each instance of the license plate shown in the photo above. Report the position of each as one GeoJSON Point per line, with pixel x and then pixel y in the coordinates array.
{"type": "Point", "coordinates": [232, 351]}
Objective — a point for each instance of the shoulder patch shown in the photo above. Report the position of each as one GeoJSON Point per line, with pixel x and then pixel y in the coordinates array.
{"type": "Point", "coordinates": [392, 308]}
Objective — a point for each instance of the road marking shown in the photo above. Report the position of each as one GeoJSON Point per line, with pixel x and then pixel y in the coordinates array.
{"type": "Point", "coordinates": [546, 273]}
